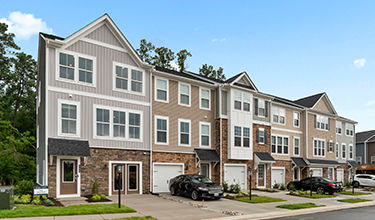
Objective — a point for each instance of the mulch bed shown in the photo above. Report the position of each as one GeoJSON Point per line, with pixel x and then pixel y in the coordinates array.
{"type": "Point", "coordinates": [57, 202]}
{"type": "Point", "coordinates": [93, 201]}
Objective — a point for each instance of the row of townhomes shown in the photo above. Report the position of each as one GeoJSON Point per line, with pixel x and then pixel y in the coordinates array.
{"type": "Point", "coordinates": [99, 105]}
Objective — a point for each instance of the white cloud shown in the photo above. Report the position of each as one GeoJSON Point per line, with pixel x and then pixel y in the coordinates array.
{"type": "Point", "coordinates": [359, 63]}
{"type": "Point", "coordinates": [370, 103]}
{"type": "Point", "coordinates": [25, 25]}
{"type": "Point", "coordinates": [218, 40]}
{"type": "Point", "coordinates": [174, 65]}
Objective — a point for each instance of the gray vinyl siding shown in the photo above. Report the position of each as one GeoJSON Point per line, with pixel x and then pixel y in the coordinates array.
{"type": "Point", "coordinates": [87, 120]}
{"type": "Point", "coordinates": [360, 151]}
{"type": "Point", "coordinates": [103, 34]}
{"type": "Point", "coordinates": [347, 140]}
{"type": "Point", "coordinates": [104, 71]}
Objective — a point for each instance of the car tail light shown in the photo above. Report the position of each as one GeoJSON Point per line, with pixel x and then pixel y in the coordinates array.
{"type": "Point", "coordinates": [331, 184]}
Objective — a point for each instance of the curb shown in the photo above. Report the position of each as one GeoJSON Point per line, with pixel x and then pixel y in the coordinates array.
{"type": "Point", "coordinates": [288, 213]}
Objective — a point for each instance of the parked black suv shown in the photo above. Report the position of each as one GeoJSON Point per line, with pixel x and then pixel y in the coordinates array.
{"type": "Point", "coordinates": [195, 186]}
{"type": "Point", "coordinates": [320, 185]}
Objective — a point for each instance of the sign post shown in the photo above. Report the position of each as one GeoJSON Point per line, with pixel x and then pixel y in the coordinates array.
{"type": "Point", "coordinates": [311, 182]}
{"type": "Point", "coordinates": [119, 179]}
{"type": "Point", "coordinates": [40, 190]}
{"type": "Point", "coordinates": [250, 175]}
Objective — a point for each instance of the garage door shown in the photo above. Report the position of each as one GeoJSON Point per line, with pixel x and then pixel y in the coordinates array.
{"type": "Point", "coordinates": [317, 172]}
{"type": "Point", "coordinates": [163, 173]}
{"type": "Point", "coordinates": [277, 176]}
{"type": "Point", "coordinates": [234, 174]}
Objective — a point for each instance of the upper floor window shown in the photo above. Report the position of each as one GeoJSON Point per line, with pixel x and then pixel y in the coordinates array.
{"type": "Point", "coordinates": [337, 150]}
{"type": "Point", "coordinates": [330, 146]}
{"type": "Point", "coordinates": [161, 87]}
{"type": "Point", "coordinates": [241, 136]}
{"type": "Point", "coordinates": [184, 132]}
{"type": "Point", "coordinates": [350, 151]}
{"type": "Point", "coordinates": [85, 70]}
{"type": "Point", "coordinates": [319, 148]}
{"type": "Point", "coordinates": [69, 118]}
{"type": "Point", "coordinates": [343, 150]}
{"type": "Point", "coordinates": [184, 94]}
{"type": "Point", "coordinates": [204, 98]}
{"type": "Point", "coordinates": [237, 100]}
{"type": "Point", "coordinates": [278, 115]}
{"type": "Point", "coordinates": [102, 122]}
{"type": "Point", "coordinates": [246, 137]}
{"type": "Point", "coordinates": [261, 136]}
{"type": "Point", "coordinates": [246, 102]}
{"type": "Point", "coordinates": [67, 66]}
{"type": "Point", "coordinates": [338, 127]}
{"type": "Point", "coordinates": [279, 144]}
{"type": "Point", "coordinates": [71, 64]}
{"type": "Point", "coordinates": [242, 101]}
{"type": "Point", "coordinates": [119, 124]}
{"type": "Point", "coordinates": [134, 125]}
{"type": "Point", "coordinates": [261, 107]}
{"type": "Point", "coordinates": [205, 130]}
{"type": "Point", "coordinates": [161, 129]}
{"type": "Point", "coordinates": [296, 145]}
{"type": "Point", "coordinates": [322, 122]}
{"type": "Point", "coordinates": [123, 82]}
{"type": "Point", "coordinates": [296, 119]}
{"type": "Point", "coordinates": [349, 129]}
{"type": "Point", "coordinates": [237, 136]}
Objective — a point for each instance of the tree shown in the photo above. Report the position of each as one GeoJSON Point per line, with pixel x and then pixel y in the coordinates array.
{"type": "Point", "coordinates": [20, 84]}
{"type": "Point", "coordinates": [182, 55]}
{"type": "Point", "coordinates": [145, 50]}
{"type": "Point", "coordinates": [163, 56]}
{"type": "Point", "coordinates": [209, 71]}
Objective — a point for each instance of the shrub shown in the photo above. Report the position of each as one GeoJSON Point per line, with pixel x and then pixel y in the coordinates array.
{"type": "Point", "coordinates": [348, 184]}
{"type": "Point", "coordinates": [96, 197]}
{"type": "Point", "coordinates": [95, 187]}
{"type": "Point", "coordinates": [36, 200]}
{"type": "Point", "coordinates": [16, 199]}
{"type": "Point", "coordinates": [49, 202]}
{"type": "Point", "coordinates": [102, 196]}
{"type": "Point", "coordinates": [234, 188]}
{"type": "Point", "coordinates": [282, 187]}
{"type": "Point", "coordinates": [276, 186]}
{"type": "Point", "coordinates": [44, 197]}
{"type": "Point", "coordinates": [225, 187]}
{"type": "Point", "coordinates": [240, 194]}
{"type": "Point", "coordinates": [24, 187]}
{"type": "Point", "coordinates": [292, 187]}
{"type": "Point", "coordinates": [25, 199]}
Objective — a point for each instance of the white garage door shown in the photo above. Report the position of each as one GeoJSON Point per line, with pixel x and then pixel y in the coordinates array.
{"type": "Point", "coordinates": [234, 174]}
{"type": "Point", "coordinates": [163, 173]}
{"type": "Point", "coordinates": [340, 175]}
{"type": "Point", "coordinates": [277, 176]}
{"type": "Point", "coordinates": [317, 172]}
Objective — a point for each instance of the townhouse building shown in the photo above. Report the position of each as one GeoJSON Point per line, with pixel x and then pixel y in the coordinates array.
{"type": "Point", "coordinates": [100, 107]}
{"type": "Point", "coordinates": [365, 147]}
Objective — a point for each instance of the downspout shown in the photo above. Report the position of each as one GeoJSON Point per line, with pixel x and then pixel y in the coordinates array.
{"type": "Point", "coordinates": [150, 137]}
{"type": "Point", "coordinates": [221, 139]}
{"type": "Point", "coordinates": [307, 133]}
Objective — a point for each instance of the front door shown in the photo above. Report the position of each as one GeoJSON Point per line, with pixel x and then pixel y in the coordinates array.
{"type": "Point", "coordinates": [261, 175]}
{"type": "Point", "coordinates": [205, 169]}
{"type": "Point", "coordinates": [68, 181]}
{"type": "Point", "coordinates": [132, 178]}
{"type": "Point", "coordinates": [127, 181]}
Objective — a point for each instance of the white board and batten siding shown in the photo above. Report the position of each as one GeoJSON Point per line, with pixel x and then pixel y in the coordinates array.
{"type": "Point", "coordinates": [162, 173]}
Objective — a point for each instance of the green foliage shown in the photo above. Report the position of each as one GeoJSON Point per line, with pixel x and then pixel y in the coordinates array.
{"type": "Point", "coordinates": [349, 192]}
{"type": "Point", "coordinates": [96, 197]}
{"type": "Point", "coordinates": [298, 206]}
{"type": "Point", "coordinates": [16, 198]}
{"type": "Point", "coordinates": [225, 187]}
{"type": "Point", "coordinates": [102, 196]}
{"type": "Point", "coordinates": [182, 55]}
{"type": "Point", "coordinates": [145, 50]}
{"type": "Point", "coordinates": [24, 187]}
{"type": "Point", "coordinates": [44, 197]}
{"type": "Point", "coordinates": [25, 199]}
{"type": "Point", "coordinates": [234, 188]}
{"type": "Point", "coordinates": [209, 71]}
{"type": "Point", "coordinates": [258, 199]}
{"type": "Point", "coordinates": [355, 200]}
{"type": "Point", "coordinates": [95, 187]}
{"type": "Point", "coordinates": [276, 186]}
{"type": "Point", "coordinates": [282, 187]}
{"type": "Point", "coordinates": [49, 202]}
{"type": "Point", "coordinates": [240, 194]}
{"type": "Point", "coordinates": [7, 48]}
{"type": "Point", "coordinates": [36, 200]}
{"type": "Point", "coordinates": [292, 187]}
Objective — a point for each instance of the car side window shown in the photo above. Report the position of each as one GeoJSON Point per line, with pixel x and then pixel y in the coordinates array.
{"type": "Point", "coordinates": [305, 181]}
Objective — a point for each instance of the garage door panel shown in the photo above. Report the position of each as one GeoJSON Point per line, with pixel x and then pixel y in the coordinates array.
{"type": "Point", "coordinates": [235, 175]}
{"type": "Point", "coordinates": [317, 172]}
{"type": "Point", "coordinates": [163, 173]}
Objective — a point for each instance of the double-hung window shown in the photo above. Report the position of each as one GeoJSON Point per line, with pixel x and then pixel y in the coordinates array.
{"type": "Point", "coordinates": [296, 146]}
{"type": "Point", "coordinates": [279, 144]}
{"type": "Point", "coordinates": [319, 147]}
{"type": "Point", "coordinates": [237, 136]}
{"type": "Point", "coordinates": [338, 127]}
{"type": "Point", "coordinates": [273, 144]}
{"type": "Point", "coordinates": [161, 136]}
{"type": "Point", "coordinates": [184, 132]}
{"type": "Point", "coordinates": [260, 106]}
{"type": "Point", "coordinates": [349, 129]}
{"type": "Point", "coordinates": [237, 100]}
{"type": "Point", "coordinates": [343, 150]}
{"type": "Point", "coordinates": [322, 122]}
{"type": "Point", "coordinates": [102, 122]}
{"type": "Point", "coordinates": [66, 66]}
{"type": "Point", "coordinates": [246, 102]}
{"type": "Point", "coordinates": [134, 125]}
{"type": "Point", "coordinates": [205, 129]}
{"type": "Point", "coordinates": [127, 78]}
{"type": "Point", "coordinates": [121, 77]}
{"type": "Point", "coordinates": [85, 68]}
{"type": "Point", "coordinates": [119, 124]}
{"type": "Point", "coordinates": [261, 136]}
{"type": "Point", "coordinates": [184, 94]}
{"type": "Point", "coordinates": [241, 136]}
{"type": "Point", "coordinates": [161, 93]}
{"type": "Point", "coordinates": [296, 119]}
{"type": "Point", "coordinates": [69, 118]}
{"type": "Point", "coordinates": [204, 98]}
{"type": "Point", "coordinates": [137, 81]}
{"type": "Point", "coordinates": [330, 146]}
{"type": "Point", "coordinates": [246, 137]}
{"type": "Point", "coordinates": [71, 64]}
{"type": "Point", "coordinates": [350, 151]}
{"type": "Point", "coordinates": [278, 115]}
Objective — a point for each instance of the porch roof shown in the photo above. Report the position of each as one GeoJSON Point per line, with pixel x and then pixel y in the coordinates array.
{"type": "Point", "coordinates": [207, 155]}
{"type": "Point", "coordinates": [68, 147]}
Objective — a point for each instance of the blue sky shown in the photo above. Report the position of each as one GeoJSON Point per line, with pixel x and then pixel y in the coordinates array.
{"type": "Point", "coordinates": [289, 48]}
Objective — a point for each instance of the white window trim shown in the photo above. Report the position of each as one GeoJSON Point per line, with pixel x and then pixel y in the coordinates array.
{"type": "Point", "coordinates": [299, 147]}
{"type": "Point", "coordinates": [282, 144]}
{"type": "Point", "coordinates": [343, 151]}
{"type": "Point", "coordinates": [278, 122]}
{"type": "Point", "coordinates": [110, 137]}
{"type": "Point", "coordinates": [264, 101]}
{"type": "Point", "coordinates": [155, 89]}
{"type": "Point", "coordinates": [78, 120]}
{"type": "Point", "coordinates": [325, 147]}
{"type": "Point", "coordinates": [200, 98]}
{"type": "Point", "coordinates": [76, 67]}
{"type": "Point", "coordinates": [338, 127]}
{"type": "Point", "coordinates": [372, 159]}
{"type": "Point", "coordinates": [351, 146]}
{"type": "Point", "coordinates": [333, 146]}
{"type": "Point", "coordinates": [319, 128]}
{"type": "Point", "coordinates": [200, 134]}
{"type": "Point", "coordinates": [333, 172]}
{"type": "Point", "coordinates": [179, 94]}
{"type": "Point", "coordinates": [346, 129]}
{"type": "Point", "coordinates": [264, 138]}
{"type": "Point", "coordinates": [321, 170]}
{"type": "Point", "coordinates": [179, 136]}
{"type": "Point", "coordinates": [114, 64]}
{"type": "Point", "coordinates": [299, 119]}
{"type": "Point", "coordinates": [156, 131]}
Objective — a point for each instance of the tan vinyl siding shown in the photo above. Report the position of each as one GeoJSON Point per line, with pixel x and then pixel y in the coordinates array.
{"type": "Point", "coordinates": [103, 34]}
{"type": "Point", "coordinates": [175, 112]}
{"type": "Point", "coordinates": [288, 118]}
{"type": "Point", "coordinates": [323, 106]}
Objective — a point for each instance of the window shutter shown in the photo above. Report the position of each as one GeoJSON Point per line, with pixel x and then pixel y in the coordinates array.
{"type": "Point", "coordinates": [256, 106]}
{"type": "Point", "coordinates": [265, 137]}
{"type": "Point", "coordinates": [257, 136]}
{"type": "Point", "coordinates": [266, 109]}
{"type": "Point", "coordinates": [314, 121]}
{"type": "Point", "coordinates": [329, 124]}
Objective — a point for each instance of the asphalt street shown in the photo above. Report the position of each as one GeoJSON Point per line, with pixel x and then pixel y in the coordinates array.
{"type": "Point", "coordinates": [364, 213]}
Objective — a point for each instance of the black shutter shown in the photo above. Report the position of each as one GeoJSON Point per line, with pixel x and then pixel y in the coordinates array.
{"type": "Point", "coordinates": [257, 136]}
{"type": "Point", "coordinates": [266, 106]}
{"type": "Point", "coordinates": [256, 106]}
{"type": "Point", "coordinates": [265, 137]}
{"type": "Point", "coordinates": [314, 121]}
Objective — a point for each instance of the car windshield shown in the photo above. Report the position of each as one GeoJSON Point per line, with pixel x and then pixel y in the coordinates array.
{"type": "Point", "coordinates": [201, 179]}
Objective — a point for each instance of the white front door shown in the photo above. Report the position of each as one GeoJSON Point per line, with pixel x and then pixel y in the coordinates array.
{"type": "Point", "coordinates": [163, 172]}
{"type": "Point", "coordinates": [235, 174]}
{"type": "Point", "coordinates": [277, 176]}
{"type": "Point", "coordinates": [340, 175]}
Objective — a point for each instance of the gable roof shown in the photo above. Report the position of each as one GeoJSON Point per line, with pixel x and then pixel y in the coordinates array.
{"type": "Point", "coordinates": [309, 101]}
{"type": "Point", "coordinates": [234, 80]}
{"type": "Point", "coordinates": [363, 136]}
{"type": "Point", "coordinates": [181, 74]}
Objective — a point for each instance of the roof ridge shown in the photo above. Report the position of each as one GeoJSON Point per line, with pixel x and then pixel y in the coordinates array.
{"type": "Point", "coordinates": [310, 96]}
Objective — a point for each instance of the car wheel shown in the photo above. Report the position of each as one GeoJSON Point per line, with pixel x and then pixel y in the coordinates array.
{"type": "Point", "coordinates": [194, 195]}
{"type": "Point", "coordinates": [173, 191]}
{"type": "Point", "coordinates": [320, 190]}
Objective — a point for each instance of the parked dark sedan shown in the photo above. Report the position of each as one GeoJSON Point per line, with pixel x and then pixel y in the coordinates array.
{"type": "Point", "coordinates": [320, 185]}
{"type": "Point", "coordinates": [195, 186]}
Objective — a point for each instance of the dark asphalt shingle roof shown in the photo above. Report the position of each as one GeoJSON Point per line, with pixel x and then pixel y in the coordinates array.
{"type": "Point", "coordinates": [51, 36]}
{"type": "Point", "coordinates": [68, 147]}
{"type": "Point", "coordinates": [299, 161]}
{"type": "Point", "coordinates": [309, 101]}
{"type": "Point", "coordinates": [353, 164]}
{"type": "Point", "coordinates": [286, 102]}
{"type": "Point", "coordinates": [233, 78]}
{"type": "Point", "coordinates": [207, 155]}
{"type": "Point", "coordinates": [363, 136]}
{"type": "Point", "coordinates": [264, 156]}
{"type": "Point", "coordinates": [244, 86]}
{"type": "Point", "coordinates": [181, 74]}
{"type": "Point", "coordinates": [319, 161]}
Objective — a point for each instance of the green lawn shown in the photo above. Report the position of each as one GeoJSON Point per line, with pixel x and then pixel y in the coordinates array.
{"type": "Point", "coordinates": [315, 196]}
{"type": "Point", "coordinates": [298, 206]}
{"type": "Point", "coordinates": [355, 200]}
{"type": "Point", "coordinates": [259, 199]}
{"type": "Point", "coordinates": [355, 193]}
{"type": "Point", "coordinates": [137, 218]}
{"type": "Point", "coordinates": [266, 190]}
{"type": "Point", "coordinates": [37, 210]}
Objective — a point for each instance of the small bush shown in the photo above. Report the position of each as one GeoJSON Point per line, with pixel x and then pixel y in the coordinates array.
{"type": "Point", "coordinates": [240, 194]}
{"type": "Point", "coordinates": [348, 184]}
{"type": "Point", "coordinates": [36, 200]}
{"type": "Point", "coordinates": [96, 197]}
{"type": "Point", "coordinates": [16, 199]}
{"type": "Point", "coordinates": [282, 187]}
{"type": "Point", "coordinates": [25, 199]}
{"type": "Point", "coordinates": [234, 188]}
{"type": "Point", "coordinates": [102, 196]}
{"type": "Point", "coordinates": [276, 186]}
{"type": "Point", "coordinates": [292, 187]}
{"type": "Point", "coordinates": [48, 202]}
{"type": "Point", "coordinates": [24, 187]}
{"type": "Point", "coordinates": [44, 197]}
{"type": "Point", "coordinates": [225, 187]}
{"type": "Point", "coordinates": [95, 187]}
